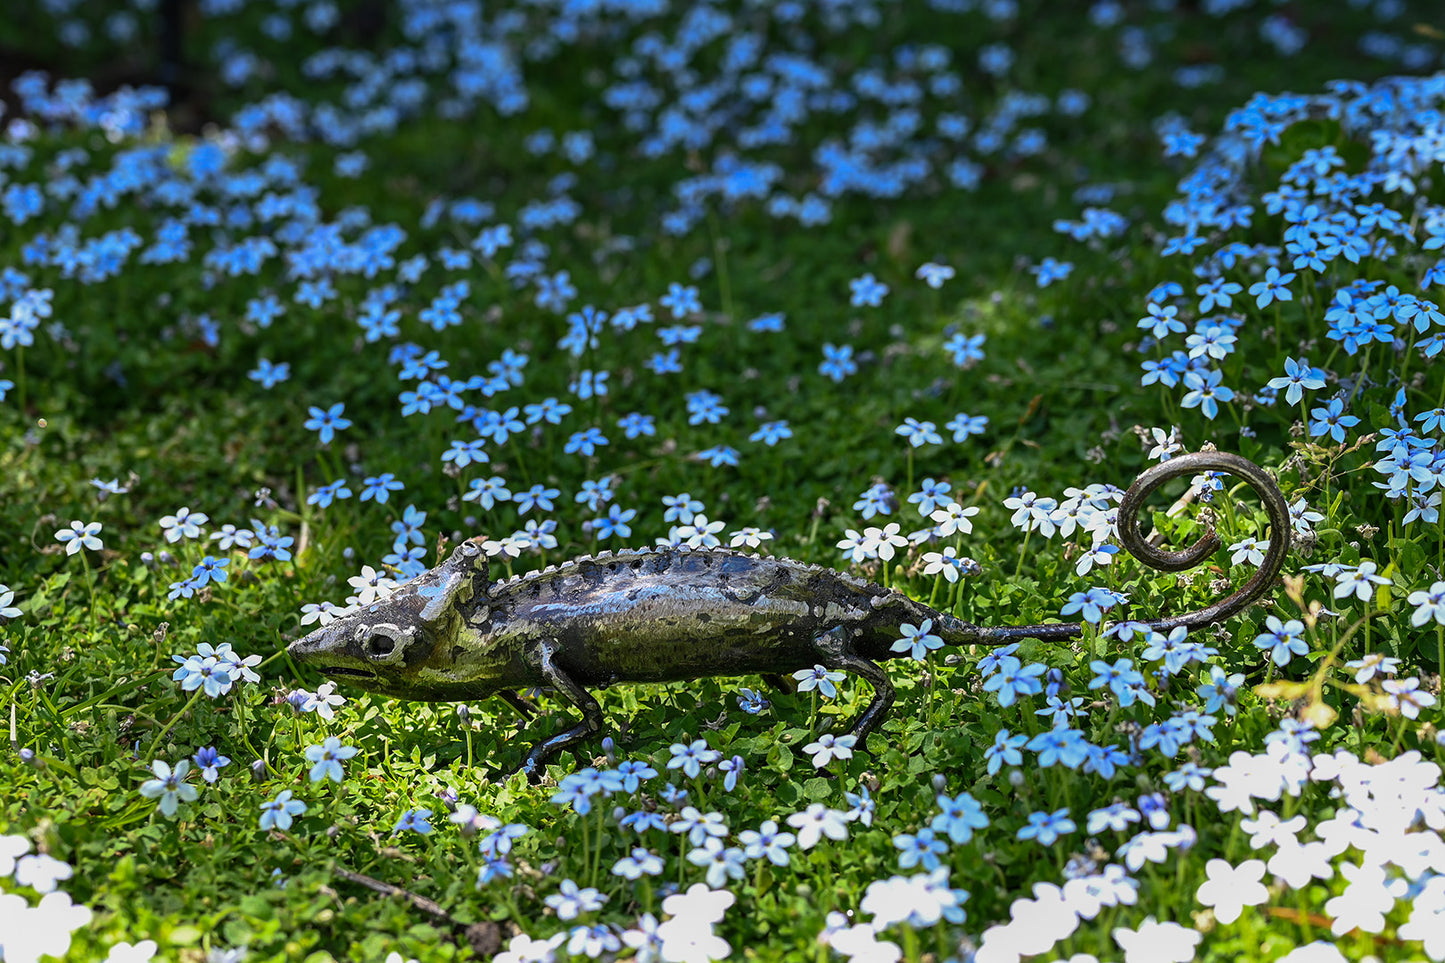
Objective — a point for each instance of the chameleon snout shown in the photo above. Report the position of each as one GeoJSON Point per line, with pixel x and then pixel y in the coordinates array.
{"type": "Point", "coordinates": [332, 649]}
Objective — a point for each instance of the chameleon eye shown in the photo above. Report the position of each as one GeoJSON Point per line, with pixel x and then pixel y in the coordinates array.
{"type": "Point", "coordinates": [385, 642]}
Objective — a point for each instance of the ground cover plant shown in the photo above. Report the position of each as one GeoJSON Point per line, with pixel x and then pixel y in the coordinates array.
{"type": "Point", "coordinates": [911, 290]}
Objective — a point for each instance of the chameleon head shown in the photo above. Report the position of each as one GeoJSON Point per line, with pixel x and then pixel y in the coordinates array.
{"type": "Point", "coordinates": [400, 645]}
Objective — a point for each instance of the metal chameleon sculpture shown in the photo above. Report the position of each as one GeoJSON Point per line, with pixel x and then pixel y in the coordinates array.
{"type": "Point", "coordinates": [671, 614]}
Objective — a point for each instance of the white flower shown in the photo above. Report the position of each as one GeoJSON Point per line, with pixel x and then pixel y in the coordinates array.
{"type": "Point", "coordinates": [881, 542]}
{"type": "Point", "coordinates": [700, 904]}
{"type": "Point", "coordinates": [954, 518]}
{"type": "Point", "coordinates": [323, 613]}
{"type": "Point", "coordinates": [817, 821]}
{"type": "Point", "coordinates": [1165, 445]}
{"type": "Point", "coordinates": [41, 872]}
{"type": "Point", "coordinates": [323, 701]}
{"type": "Point", "coordinates": [1427, 919]}
{"type": "Point", "coordinates": [1268, 830]}
{"type": "Point", "coordinates": [80, 535]}
{"type": "Point", "coordinates": [685, 941]}
{"type": "Point", "coordinates": [860, 944]}
{"type": "Point", "coordinates": [371, 586]}
{"type": "Point", "coordinates": [1359, 582]}
{"type": "Point", "coordinates": [891, 900]}
{"type": "Point", "coordinates": [1406, 696]}
{"type": "Point", "coordinates": [507, 546]}
{"type": "Point", "coordinates": [1249, 550]}
{"type": "Point", "coordinates": [11, 849]}
{"type": "Point", "coordinates": [945, 563]}
{"type": "Point", "coordinates": [854, 546]}
{"type": "Point", "coordinates": [1155, 942]}
{"type": "Point", "coordinates": [183, 524]}
{"type": "Point", "coordinates": [139, 953]}
{"type": "Point", "coordinates": [1231, 888]}
{"type": "Point", "coordinates": [828, 747]}
{"type": "Point", "coordinates": [749, 537]}
{"type": "Point", "coordinates": [28, 933]}
{"type": "Point", "coordinates": [7, 611]}
{"type": "Point", "coordinates": [523, 949]}
{"type": "Point", "coordinates": [1364, 902]}
{"type": "Point", "coordinates": [1297, 864]}
{"type": "Point", "coordinates": [701, 533]}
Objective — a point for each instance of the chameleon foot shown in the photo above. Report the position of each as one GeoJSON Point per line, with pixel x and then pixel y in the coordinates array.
{"type": "Point", "coordinates": [571, 692]}
{"type": "Point", "coordinates": [835, 647]}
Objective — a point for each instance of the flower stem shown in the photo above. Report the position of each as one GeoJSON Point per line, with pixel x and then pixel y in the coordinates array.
{"type": "Point", "coordinates": [165, 730]}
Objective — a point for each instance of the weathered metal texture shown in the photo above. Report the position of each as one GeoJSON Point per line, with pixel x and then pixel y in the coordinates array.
{"type": "Point", "coordinates": [660, 615]}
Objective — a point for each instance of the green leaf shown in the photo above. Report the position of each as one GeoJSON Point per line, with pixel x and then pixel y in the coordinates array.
{"type": "Point", "coordinates": [818, 788]}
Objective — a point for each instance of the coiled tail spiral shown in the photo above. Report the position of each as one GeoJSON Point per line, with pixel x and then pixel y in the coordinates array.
{"type": "Point", "coordinates": [1275, 507]}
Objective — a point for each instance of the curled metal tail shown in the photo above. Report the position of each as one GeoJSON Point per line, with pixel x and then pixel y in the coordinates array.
{"type": "Point", "coordinates": [1256, 588]}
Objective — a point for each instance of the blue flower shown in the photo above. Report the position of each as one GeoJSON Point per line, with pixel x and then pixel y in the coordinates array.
{"type": "Point", "coordinates": [585, 442]}
{"type": "Point", "coordinates": [930, 496]}
{"type": "Point", "coordinates": [919, 433]}
{"type": "Point", "coordinates": [751, 702]}
{"type": "Point", "coordinates": [1047, 827]}
{"type": "Point", "coordinates": [917, 640]}
{"type": "Point", "coordinates": [614, 523]}
{"type": "Point", "coordinates": [820, 678]}
{"type": "Point", "coordinates": [960, 815]}
{"type": "Point", "coordinates": [277, 813]}
{"type": "Point", "coordinates": [1004, 751]}
{"type": "Point", "coordinates": [538, 496]}
{"type": "Point", "coordinates": [838, 362]}
{"type": "Point", "coordinates": [1091, 604]}
{"type": "Point", "coordinates": [210, 762]}
{"type": "Point", "coordinates": [1220, 691]}
{"type": "Point", "coordinates": [691, 757]}
{"type": "Point", "coordinates": [631, 773]}
{"type": "Point", "coordinates": [867, 291]}
{"type": "Point", "coordinates": [921, 848]}
{"type": "Point", "coordinates": [268, 375]}
{"type": "Point", "coordinates": [381, 486]}
{"type": "Point", "coordinates": [965, 349]}
{"type": "Point", "coordinates": [1065, 747]}
{"type": "Point", "coordinates": [169, 786]}
{"type": "Point", "coordinates": [1298, 375]}
{"type": "Point", "coordinates": [1272, 288]}
{"type": "Point", "coordinates": [641, 862]}
{"type": "Point", "coordinates": [327, 758]}
{"type": "Point", "coordinates": [1284, 640]}
{"type": "Point", "coordinates": [681, 300]}
{"type": "Point", "coordinates": [1015, 679]}
{"type": "Point", "coordinates": [934, 275]}
{"type": "Point", "coordinates": [210, 569]}
{"type": "Point", "coordinates": [733, 769]}
{"type": "Point", "coordinates": [1205, 391]}
{"type": "Point", "coordinates": [414, 820]}
{"type": "Point", "coordinates": [771, 432]}
{"type": "Point", "coordinates": [1331, 420]}
{"type": "Point", "coordinates": [636, 424]}
{"type": "Point", "coordinates": [486, 492]}
{"type": "Point", "coordinates": [1126, 682]}
{"type": "Point", "coordinates": [963, 426]}
{"type": "Point", "coordinates": [326, 423]}
{"type": "Point", "coordinates": [1161, 321]}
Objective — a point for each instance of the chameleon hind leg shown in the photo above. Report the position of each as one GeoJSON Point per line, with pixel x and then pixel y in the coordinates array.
{"type": "Point", "coordinates": [571, 692]}
{"type": "Point", "coordinates": [835, 647]}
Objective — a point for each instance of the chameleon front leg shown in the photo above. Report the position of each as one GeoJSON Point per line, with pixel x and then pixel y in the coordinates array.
{"type": "Point", "coordinates": [571, 692]}
{"type": "Point", "coordinates": [835, 648]}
